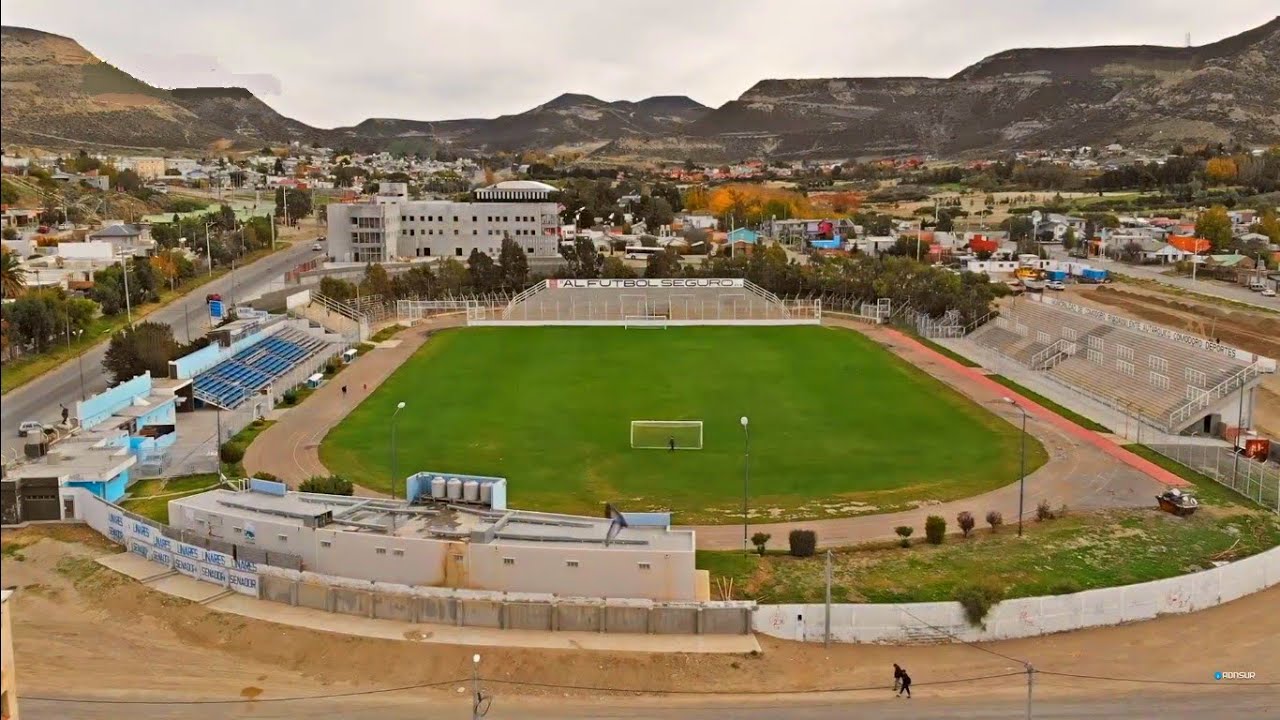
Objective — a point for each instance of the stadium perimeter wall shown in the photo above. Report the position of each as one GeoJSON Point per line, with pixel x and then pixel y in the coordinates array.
{"type": "Point", "coordinates": [907, 623]}
{"type": "Point", "coordinates": [940, 622]}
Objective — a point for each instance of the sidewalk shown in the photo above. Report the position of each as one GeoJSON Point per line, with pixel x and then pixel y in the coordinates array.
{"type": "Point", "coordinates": [161, 579]}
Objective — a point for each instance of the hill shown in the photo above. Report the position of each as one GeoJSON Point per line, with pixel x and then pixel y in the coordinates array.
{"type": "Point", "coordinates": [56, 92]}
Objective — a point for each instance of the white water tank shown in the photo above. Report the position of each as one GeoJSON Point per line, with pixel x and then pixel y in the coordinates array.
{"type": "Point", "coordinates": [437, 487]}
{"type": "Point", "coordinates": [471, 491]}
{"type": "Point", "coordinates": [486, 493]}
{"type": "Point", "coordinates": [455, 489]}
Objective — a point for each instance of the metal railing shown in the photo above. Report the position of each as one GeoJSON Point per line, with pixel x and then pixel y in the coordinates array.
{"type": "Point", "coordinates": [1221, 390]}
{"type": "Point", "coordinates": [1042, 359]}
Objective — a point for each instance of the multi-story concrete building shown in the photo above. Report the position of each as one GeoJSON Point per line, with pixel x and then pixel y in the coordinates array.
{"type": "Point", "coordinates": [395, 227]}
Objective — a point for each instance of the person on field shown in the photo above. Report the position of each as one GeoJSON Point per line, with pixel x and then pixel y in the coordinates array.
{"type": "Point", "coordinates": [671, 444]}
{"type": "Point", "coordinates": [906, 685]}
{"type": "Point", "coordinates": [344, 391]}
{"type": "Point", "coordinates": [898, 672]}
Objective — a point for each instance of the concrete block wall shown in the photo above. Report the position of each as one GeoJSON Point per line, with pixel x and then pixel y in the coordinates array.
{"type": "Point", "coordinates": [1022, 617]}
{"type": "Point", "coordinates": [517, 611]}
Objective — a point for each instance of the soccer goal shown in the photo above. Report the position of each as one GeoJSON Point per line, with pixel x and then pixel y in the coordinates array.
{"type": "Point", "coordinates": [645, 322]}
{"type": "Point", "coordinates": [666, 434]}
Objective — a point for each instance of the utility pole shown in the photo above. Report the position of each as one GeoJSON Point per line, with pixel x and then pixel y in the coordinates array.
{"type": "Point", "coordinates": [124, 266]}
{"type": "Point", "coordinates": [826, 635]}
{"type": "Point", "coordinates": [1030, 681]}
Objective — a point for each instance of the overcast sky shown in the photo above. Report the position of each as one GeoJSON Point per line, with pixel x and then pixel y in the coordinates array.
{"type": "Point", "coordinates": [331, 62]}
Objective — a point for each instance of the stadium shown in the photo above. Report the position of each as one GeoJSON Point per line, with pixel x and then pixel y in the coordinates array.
{"type": "Point", "coordinates": [635, 392]}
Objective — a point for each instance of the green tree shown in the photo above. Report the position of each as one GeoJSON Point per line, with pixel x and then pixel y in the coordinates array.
{"type": "Point", "coordinates": [1215, 226]}
{"type": "Point", "coordinates": [514, 264]}
{"type": "Point", "coordinates": [614, 267]}
{"type": "Point", "coordinates": [376, 281]}
{"type": "Point", "coordinates": [1069, 240]}
{"type": "Point", "coordinates": [34, 319]}
{"type": "Point", "coordinates": [337, 289]}
{"type": "Point", "coordinates": [147, 346]}
{"type": "Point", "coordinates": [582, 260]}
{"type": "Point", "coordinates": [9, 193]}
{"type": "Point", "coordinates": [452, 276]}
{"type": "Point", "coordinates": [659, 214]}
{"type": "Point", "coordinates": [127, 181]}
{"type": "Point", "coordinates": [13, 277]}
{"type": "Point", "coordinates": [1268, 225]}
{"type": "Point", "coordinates": [484, 272]}
{"type": "Point", "coordinates": [663, 264]}
{"type": "Point", "coordinates": [296, 202]}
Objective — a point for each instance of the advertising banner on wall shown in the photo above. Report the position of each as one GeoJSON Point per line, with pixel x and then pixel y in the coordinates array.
{"type": "Point", "coordinates": [642, 283]}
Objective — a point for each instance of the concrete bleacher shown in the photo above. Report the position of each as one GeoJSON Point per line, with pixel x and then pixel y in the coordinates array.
{"type": "Point", "coordinates": [1145, 374]}
{"type": "Point", "coordinates": [233, 380]}
{"type": "Point", "coordinates": [550, 303]}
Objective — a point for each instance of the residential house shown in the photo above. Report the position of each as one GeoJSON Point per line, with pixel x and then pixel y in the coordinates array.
{"type": "Point", "coordinates": [147, 168]}
{"type": "Point", "coordinates": [125, 239]}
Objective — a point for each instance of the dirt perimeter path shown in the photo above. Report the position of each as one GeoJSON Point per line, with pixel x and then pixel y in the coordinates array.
{"type": "Point", "coordinates": [1085, 470]}
{"type": "Point", "coordinates": [290, 449]}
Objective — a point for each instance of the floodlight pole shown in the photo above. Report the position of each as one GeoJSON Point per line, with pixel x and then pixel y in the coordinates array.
{"type": "Point", "coordinates": [394, 458]}
{"type": "Point", "coordinates": [746, 477]}
{"type": "Point", "coordinates": [1022, 471]}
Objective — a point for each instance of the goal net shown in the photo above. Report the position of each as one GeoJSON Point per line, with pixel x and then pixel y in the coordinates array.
{"type": "Point", "coordinates": [664, 434]}
{"type": "Point", "coordinates": [645, 322]}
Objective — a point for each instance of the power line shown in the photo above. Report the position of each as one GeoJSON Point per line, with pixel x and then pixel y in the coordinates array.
{"type": "Point", "coordinates": [1152, 681]}
{"type": "Point", "coordinates": [958, 639]}
{"type": "Point", "coordinates": [238, 701]}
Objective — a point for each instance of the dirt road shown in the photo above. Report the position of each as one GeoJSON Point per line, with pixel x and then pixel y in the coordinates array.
{"type": "Point", "coordinates": [123, 641]}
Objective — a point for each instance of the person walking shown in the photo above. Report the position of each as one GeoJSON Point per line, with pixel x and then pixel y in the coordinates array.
{"type": "Point", "coordinates": [906, 685]}
{"type": "Point", "coordinates": [898, 672]}
{"type": "Point", "coordinates": [671, 444]}
{"type": "Point", "coordinates": [344, 391]}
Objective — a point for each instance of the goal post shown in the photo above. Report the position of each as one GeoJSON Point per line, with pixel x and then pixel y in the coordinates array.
{"type": "Point", "coordinates": [666, 434]}
{"type": "Point", "coordinates": [645, 322]}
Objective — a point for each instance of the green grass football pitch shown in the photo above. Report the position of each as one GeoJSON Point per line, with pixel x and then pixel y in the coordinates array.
{"type": "Point", "coordinates": [838, 425]}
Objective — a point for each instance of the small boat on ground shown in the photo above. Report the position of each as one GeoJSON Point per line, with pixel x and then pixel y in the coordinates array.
{"type": "Point", "coordinates": [1177, 502]}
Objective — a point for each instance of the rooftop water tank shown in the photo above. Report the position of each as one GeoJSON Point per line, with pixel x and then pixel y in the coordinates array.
{"type": "Point", "coordinates": [486, 493]}
{"type": "Point", "coordinates": [437, 487]}
{"type": "Point", "coordinates": [455, 489]}
{"type": "Point", "coordinates": [471, 491]}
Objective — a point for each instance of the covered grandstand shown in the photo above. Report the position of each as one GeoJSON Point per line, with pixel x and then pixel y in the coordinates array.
{"type": "Point", "coordinates": [1170, 380]}
{"type": "Point", "coordinates": [242, 372]}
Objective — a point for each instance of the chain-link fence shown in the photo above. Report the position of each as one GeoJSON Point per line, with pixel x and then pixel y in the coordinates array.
{"type": "Point", "coordinates": [1255, 480]}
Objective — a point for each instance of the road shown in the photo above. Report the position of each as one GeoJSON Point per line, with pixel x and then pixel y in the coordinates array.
{"type": "Point", "coordinates": [1203, 287]}
{"type": "Point", "coordinates": [188, 316]}
{"type": "Point", "coordinates": [1167, 704]}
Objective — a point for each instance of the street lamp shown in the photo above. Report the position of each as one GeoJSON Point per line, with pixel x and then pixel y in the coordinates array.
{"type": "Point", "coordinates": [80, 362]}
{"type": "Point", "coordinates": [208, 246]}
{"type": "Point", "coordinates": [124, 270]}
{"type": "Point", "coordinates": [394, 472]}
{"type": "Point", "coordinates": [746, 476]}
{"type": "Point", "coordinates": [1022, 472]}
{"type": "Point", "coordinates": [479, 703]}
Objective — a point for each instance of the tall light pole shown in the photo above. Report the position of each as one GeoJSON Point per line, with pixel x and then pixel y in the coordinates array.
{"type": "Point", "coordinates": [128, 309]}
{"type": "Point", "coordinates": [80, 362]}
{"type": "Point", "coordinates": [746, 476]}
{"type": "Point", "coordinates": [1022, 472]}
{"type": "Point", "coordinates": [479, 703]}
{"type": "Point", "coordinates": [394, 472]}
{"type": "Point", "coordinates": [208, 247]}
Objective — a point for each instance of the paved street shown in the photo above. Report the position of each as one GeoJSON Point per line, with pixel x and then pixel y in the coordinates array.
{"type": "Point", "coordinates": [1168, 704]}
{"type": "Point", "coordinates": [1156, 272]}
{"type": "Point", "coordinates": [188, 316]}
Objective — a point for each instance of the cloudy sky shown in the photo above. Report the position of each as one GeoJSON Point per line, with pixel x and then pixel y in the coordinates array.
{"type": "Point", "coordinates": [336, 62]}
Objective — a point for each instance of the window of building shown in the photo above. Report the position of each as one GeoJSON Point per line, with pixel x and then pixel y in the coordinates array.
{"type": "Point", "coordinates": [380, 551]}
{"type": "Point", "coordinates": [455, 231]}
{"type": "Point", "coordinates": [428, 251]}
{"type": "Point", "coordinates": [457, 251]}
{"type": "Point", "coordinates": [475, 218]}
{"type": "Point", "coordinates": [508, 561]}
{"type": "Point", "coordinates": [411, 232]}
{"type": "Point", "coordinates": [475, 232]}
{"type": "Point", "coordinates": [326, 543]}
{"type": "Point", "coordinates": [455, 218]}
{"type": "Point", "coordinates": [397, 551]}
{"type": "Point", "coordinates": [282, 538]}
{"type": "Point", "coordinates": [237, 529]}
{"type": "Point", "coordinates": [529, 250]}
{"type": "Point", "coordinates": [403, 218]}
{"type": "Point", "coordinates": [354, 221]}
{"type": "Point", "coordinates": [644, 565]}
{"type": "Point", "coordinates": [571, 563]}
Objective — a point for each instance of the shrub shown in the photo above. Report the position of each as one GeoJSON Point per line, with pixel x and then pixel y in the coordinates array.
{"type": "Point", "coordinates": [803, 542]}
{"type": "Point", "coordinates": [966, 522]}
{"type": "Point", "coordinates": [977, 601]}
{"type": "Point", "coordinates": [935, 528]}
{"type": "Point", "coordinates": [904, 532]}
{"type": "Point", "coordinates": [329, 485]}
{"type": "Point", "coordinates": [290, 396]}
{"type": "Point", "coordinates": [232, 452]}
{"type": "Point", "coordinates": [760, 540]}
{"type": "Point", "coordinates": [1044, 512]}
{"type": "Point", "coordinates": [266, 476]}
{"type": "Point", "coordinates": [332, 367]}
{"type": "Point", "coordinates": [995, 519]}
{"type": "Point", "coordinates": [1064, 587]}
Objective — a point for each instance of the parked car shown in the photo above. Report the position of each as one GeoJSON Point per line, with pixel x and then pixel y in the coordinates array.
{"type": "Point", "coordinates": [317, 247]}
{"type": "Point", "coordinates": [1055, 285]}
{"type": "Point", "coordinates": [1268, 293]}
{"type": "Point", "coordinates": [211, 297]}
{"type": "Point", "coordinates": [30, 427]}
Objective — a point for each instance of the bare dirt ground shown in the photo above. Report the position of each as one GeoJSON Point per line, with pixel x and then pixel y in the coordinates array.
{"type": "Point", "coordinates": [123, 640]}
{"type": "Point", "coordinates": [1255, 332]}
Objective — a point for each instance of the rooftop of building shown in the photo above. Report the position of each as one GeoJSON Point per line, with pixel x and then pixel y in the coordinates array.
{"type": "Point", "coordinates": [80, 458]}
{"type": "Point", "coordinates": [435, 520]}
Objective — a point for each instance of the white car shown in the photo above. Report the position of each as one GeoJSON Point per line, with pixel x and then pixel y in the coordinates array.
{"type": "Point", "coordinates": [1055, 285]}
{"type": "Point", "coordinates": [30, 427]}
{"type": "Point", "coordinates": [317, 247]}
{"type": "Point", "coordinates": [1268, 292]}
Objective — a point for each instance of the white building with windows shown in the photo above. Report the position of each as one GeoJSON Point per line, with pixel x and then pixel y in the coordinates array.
{"type": "Point", "coordinates": [393, 227]}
